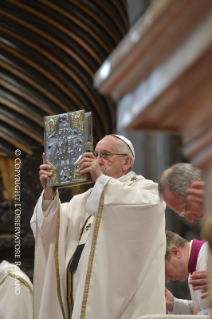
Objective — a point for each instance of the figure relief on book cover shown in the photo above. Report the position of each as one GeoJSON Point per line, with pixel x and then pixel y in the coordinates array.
{"type": "Point", "coordinates": [67, 136]}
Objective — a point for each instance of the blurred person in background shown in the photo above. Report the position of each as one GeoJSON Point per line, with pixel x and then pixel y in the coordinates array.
{"type": "Point", "coordinates": [182, 187]}
{"type": "Point", "coordinates": [181, 260]}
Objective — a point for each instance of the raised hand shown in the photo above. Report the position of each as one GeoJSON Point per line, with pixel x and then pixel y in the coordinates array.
{"type": "Point", "coordinates": [196, 194]}
{"type": "Point", "coordinates": [45, 174]}
{"type": "Point", "coordinates": [199, 281]}
{"type": "Point", "coordinates": [89, 164]}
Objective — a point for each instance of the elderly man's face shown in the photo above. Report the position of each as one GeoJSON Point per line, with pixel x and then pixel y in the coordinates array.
{"type": "Point", "coordinates": [115, 165]}
{"type": "Point", "coordinates": [190, 209]}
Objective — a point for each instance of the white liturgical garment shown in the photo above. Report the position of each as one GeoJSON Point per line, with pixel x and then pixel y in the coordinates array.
{"type": "Point", "coordinates": [15, 293]}
{"type": "Point", "coordinates": [121, 273]}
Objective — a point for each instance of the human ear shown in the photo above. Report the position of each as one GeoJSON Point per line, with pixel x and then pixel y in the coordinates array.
{"type": "Point", "coordinates": [175, 252]}
{"type": "Point", "coordinates": [128, 163]}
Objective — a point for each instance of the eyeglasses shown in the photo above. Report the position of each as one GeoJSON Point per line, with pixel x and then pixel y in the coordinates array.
{"type": "Point", "coordinates": [185, 211]}
{"type": "Point", "coordinates": [106, 155]}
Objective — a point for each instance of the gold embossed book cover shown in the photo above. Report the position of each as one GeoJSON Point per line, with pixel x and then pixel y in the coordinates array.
{"type": "Point", "coordinates": [67, 136]}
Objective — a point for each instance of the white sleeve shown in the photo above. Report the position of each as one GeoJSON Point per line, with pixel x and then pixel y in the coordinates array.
{"type": "Point", "coordinates": [182, 306]}
{"type": "Point", "coordinates": [44, 217]}
{"type": "Point", "coordinates": [45, 205]}
{"type": "Point", "coordinates": [15, 302]}
{"type": "Point", "coordinates": [202, 261]}
{"type": "Point", "coordinates": [93, 201]}
{"type": "Point", "coordinates": [204, 312]}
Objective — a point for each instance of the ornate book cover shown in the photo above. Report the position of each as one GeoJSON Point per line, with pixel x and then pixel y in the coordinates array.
{"type": "Point", "coordinates": [67, 136]}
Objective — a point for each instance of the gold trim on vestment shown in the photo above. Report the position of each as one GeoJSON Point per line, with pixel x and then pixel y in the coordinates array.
{"type": "Point", "coordinates": [90, 262]}
{"type": "Point", "coordinates": [133, 180]}
{"type": "Point", "coordinates": [5, 274]}
{"type": "Point", "coordinates": [22, 280]}
{"type": "Point", "coordinates": [15, 276]}
{"type": "Point", "coordinates": [70, 298]}
{"type": "Point", "coordinates": [35, 254]}
{"type": "Point", "coordinates": [57, 263]}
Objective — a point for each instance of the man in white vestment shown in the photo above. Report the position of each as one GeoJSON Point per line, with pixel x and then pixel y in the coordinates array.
{"type": "Point", "coordinates": [181, 260]}
{"type": "Point", "coordinates": [15, 293]}
{"type": "Point", "coordinates": [101, 256]}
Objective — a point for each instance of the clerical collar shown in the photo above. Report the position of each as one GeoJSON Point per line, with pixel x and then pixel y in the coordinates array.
{"type": "Point", "coordinates": [124, 178]}
{"type": "Point", "coordinates": [194, 252]}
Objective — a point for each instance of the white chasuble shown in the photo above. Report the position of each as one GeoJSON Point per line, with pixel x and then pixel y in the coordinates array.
{"type": "Point", "coordinates": [122, 272]}
{"type": "Point", "coordinates": [15, 293]}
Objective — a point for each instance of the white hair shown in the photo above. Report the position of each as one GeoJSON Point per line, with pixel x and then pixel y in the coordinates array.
{"type": "Point", "coordinates": [123, 148]}
{"type": "Point", "coordinates": [178, 178]}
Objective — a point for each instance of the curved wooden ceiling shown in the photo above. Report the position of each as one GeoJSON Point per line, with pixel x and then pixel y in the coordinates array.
{"type": "Point", "coordinates": [49, 53]}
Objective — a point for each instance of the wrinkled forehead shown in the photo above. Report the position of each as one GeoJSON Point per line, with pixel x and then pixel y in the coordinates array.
{"type": "Point", "coordinates": [108, 143]}
{"type": "Point", "coordinates": [172, 201]}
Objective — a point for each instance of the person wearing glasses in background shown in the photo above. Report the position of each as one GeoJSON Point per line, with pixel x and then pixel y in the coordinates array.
{"type": "Point", "coordinates": [181, 186]}
{"type": "Point", "coordinates": [102, 254]}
